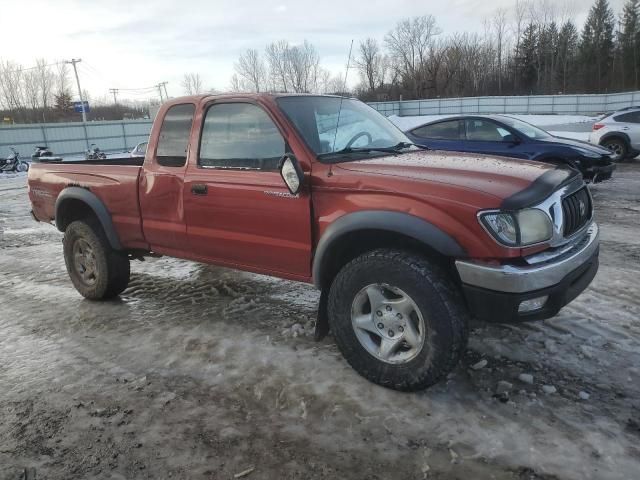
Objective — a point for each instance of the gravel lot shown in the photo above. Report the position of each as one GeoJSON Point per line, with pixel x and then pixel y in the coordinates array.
{"type": "Point", "coordinates": [201, 372]}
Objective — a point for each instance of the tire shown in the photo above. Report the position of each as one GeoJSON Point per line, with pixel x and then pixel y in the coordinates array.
{"type": "Point", "coordinates": [22, 167]}
{"type": "Point", "coordinates": [436, 308]}
{"type": "Point", "coordinates": [619, 148]}
{"type": "Point", "coordinates": [96, 270]}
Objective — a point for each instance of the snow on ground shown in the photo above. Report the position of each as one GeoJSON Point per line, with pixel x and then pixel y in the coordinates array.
{"type": "Point", "coordinates": [202, 372]}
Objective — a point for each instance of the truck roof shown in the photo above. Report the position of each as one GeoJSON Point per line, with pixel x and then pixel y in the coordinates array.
{"type": "Point", "coordinates": [201, 97]}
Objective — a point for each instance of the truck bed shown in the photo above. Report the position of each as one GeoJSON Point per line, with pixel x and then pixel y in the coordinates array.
{"type": "Point", "coordinates": [114, 181]}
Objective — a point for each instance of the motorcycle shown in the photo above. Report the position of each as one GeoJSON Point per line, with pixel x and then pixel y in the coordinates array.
{"type": "Point", "coordinates": [14, 163]}
{"type": "Point", "coordinates": [94, 153]}
{"type": "Point", "coordinates": [44, 153]}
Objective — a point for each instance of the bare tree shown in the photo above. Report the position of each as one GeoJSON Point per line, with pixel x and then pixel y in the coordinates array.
{"type": "Point", "coordinates": [46, 80]}
{"type": "Point", "coordinates": [409, 42]}
{"type": "Point", "coordinates": [192, 84]}
{"type": "Point", "coordinates": [372, 64]}
{"type": "Point", "coordinates": [499, 24]}
{"type": "Point", "coordinates": [303, 63]}
{"type": "Point", "coordinates": [251, 68]}
{"type": "Point", "coordinates": [277, 58]}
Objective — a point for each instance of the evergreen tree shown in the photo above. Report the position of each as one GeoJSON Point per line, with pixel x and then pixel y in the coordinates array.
{"type": "Point", "coordinates": [567, 57]}
{"type": "Point", "coordinates": [526, 59]}
{"type": "Point", "coordinates": [628, 45]}
{"type": "Point", "coordinates": [597, 47]}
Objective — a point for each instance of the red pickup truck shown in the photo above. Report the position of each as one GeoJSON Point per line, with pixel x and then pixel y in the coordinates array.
{"type": "Point", "coordinates": [403, 243]}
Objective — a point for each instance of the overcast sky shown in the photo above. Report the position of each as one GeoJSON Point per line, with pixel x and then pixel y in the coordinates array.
{"type": "Point", "coordinates": [132, 43]}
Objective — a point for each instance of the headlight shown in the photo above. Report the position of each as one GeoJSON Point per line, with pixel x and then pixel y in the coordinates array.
{"type": "Point", "coordinates": [518, 229]}
{"type": "Point", "coordinates": [585, 152]}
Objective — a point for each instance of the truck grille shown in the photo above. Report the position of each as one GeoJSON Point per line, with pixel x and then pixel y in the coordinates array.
{"type": "Point", "coordinates": [576, 209]}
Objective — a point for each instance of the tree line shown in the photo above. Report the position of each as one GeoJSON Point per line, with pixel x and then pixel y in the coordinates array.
{"type": "Point", "coordinates": [533, 48]}
{"type": "Point", "coordinates": [43, 93]}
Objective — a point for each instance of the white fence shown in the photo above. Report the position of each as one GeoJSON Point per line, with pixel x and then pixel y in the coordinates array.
{"type": "Point", "coordinates": [74, 138]}
{"type": "Point", "coordinates": [534, 104]}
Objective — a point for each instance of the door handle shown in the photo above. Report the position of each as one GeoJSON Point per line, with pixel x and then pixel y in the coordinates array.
{"type": "Point", "coordinates": [199, 189]}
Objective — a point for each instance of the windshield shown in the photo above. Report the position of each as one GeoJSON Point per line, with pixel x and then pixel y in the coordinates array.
{"type": "Point", "coordinates": [525, 128]}
{"type": "Point", "coordinates": [357, 128]}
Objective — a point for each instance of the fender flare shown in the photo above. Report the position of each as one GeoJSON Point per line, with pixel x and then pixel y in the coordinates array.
{"type": "Point", "coordinates": [96, 205]}
{"type": "Point", "coordinates": [397, 222]}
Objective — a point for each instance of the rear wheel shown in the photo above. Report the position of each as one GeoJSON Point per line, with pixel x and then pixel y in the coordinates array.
{"type": "Point", "coordinates": [96, 270]}
{"type": "Point", "coordinates": [618, 147]}
{"type": "Point", "coordinates": [397, 319]}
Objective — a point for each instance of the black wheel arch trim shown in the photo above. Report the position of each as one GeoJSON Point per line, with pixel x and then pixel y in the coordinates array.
{"type": "Point", "coordinates": [94, 203]}
{"type": "Point", "coordinates": [610, 135]}
{"type": "Point", "coordinates": [395, 222]}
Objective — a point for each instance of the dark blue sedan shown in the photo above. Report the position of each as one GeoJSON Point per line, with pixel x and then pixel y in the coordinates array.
{"type": "Point", "coordinates": [510, 137]}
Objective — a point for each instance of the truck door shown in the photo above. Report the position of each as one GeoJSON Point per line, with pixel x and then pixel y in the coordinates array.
{"type": "Point", "coordinates": [239, 211]}
{"type": "Point", "coordinates": [161, 182]}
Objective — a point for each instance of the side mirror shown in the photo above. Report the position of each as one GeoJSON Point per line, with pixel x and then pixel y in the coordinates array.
{"type": "Point", "coordinates": [511, 138]}
{"type": "Point", "coordinates": [291, 173]}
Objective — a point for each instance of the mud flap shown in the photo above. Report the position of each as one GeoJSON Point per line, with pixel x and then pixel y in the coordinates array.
{"type": "Point", "coordinates": [322, 321]}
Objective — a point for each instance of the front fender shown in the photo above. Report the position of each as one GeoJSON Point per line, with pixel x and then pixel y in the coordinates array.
{"type": "Point", "coordinates": [397, 222]}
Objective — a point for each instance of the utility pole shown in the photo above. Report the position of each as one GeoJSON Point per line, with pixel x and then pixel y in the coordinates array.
{"type": "Point", "coordinates": [115, 93]}
{"type": "Point", "coordinates": [164, 84]}
{"type": "Point", "coordinates": [160, 92]}
{"type": "Point", "coordinates": [73, 62]}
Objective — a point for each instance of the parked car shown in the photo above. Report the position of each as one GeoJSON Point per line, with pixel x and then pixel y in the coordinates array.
{"type": "Point", "coordinates": [510, 137]}
{"type": "Point", "coordinates": [404, 244]}
{"type": "Point", "coordinates": [619, 132]}
{"type": "Point", "coordinates": [139, 151]}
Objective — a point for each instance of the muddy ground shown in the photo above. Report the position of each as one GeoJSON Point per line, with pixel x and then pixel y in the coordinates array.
{"type": "Point", "coordinates": [201, 372]}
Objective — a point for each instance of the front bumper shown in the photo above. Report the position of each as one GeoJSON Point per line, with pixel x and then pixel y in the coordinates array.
{"type": "Point", "coordinates": [495, 293]}
{"type": "Point", "coordinates": [601, 172]}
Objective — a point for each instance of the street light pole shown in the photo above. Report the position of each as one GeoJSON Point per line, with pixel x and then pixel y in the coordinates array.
{"type": "Point", "coordinates": [73, 62]}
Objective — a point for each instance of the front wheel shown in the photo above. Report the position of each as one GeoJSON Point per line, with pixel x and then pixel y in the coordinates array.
{"type": "Point", "coordinates": [397, 319]}
{"type": "Point", "coordinates": [22, 167]}
{"type": "Point", "coordinates": [96, 270]}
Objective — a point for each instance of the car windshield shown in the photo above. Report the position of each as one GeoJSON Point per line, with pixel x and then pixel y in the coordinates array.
{"type": "Point", "coordinates": [335, 127]}
{"type": "Point", "coordinates": [525, 128]}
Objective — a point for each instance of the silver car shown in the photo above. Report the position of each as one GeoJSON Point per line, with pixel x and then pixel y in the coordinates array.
{"type": "Point", "coordinates": [619, 132]}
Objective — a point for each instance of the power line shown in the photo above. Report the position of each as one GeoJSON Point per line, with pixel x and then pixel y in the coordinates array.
{"type": "Point", "coordinates": [37, 66]}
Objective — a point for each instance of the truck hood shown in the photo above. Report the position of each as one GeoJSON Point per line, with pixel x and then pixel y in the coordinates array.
{"type": "Point", "coordinates": [515, 183]}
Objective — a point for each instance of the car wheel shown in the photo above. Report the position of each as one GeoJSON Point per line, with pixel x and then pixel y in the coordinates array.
{"type": "Point", "coordinates": [397, 319]}
{"type": "Point", "coordinates": [618, 147]}
{"type": "Point", "coordinates": [96, 270]}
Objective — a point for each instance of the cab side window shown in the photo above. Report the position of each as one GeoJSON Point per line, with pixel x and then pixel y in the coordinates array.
{"type": "Point", "coordinates": [440, 131]}
{"type": "Point", "coordinates": [484, 131]}
{"type": "Point", "coordinates": [174, 135]}
{"type": "Point", "coordinates": [242, 136]}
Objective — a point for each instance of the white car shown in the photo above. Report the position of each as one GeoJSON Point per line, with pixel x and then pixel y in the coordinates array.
{"type": "Point", "coordinates": [619, 132]}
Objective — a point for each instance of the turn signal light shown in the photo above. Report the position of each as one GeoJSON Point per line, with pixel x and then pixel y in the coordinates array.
{"type": "Point", "coordinates": [597, 126]}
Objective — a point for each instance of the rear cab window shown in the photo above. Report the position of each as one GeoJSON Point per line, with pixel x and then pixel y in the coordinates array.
{"type": "Point", "coordinates": [173, 141]}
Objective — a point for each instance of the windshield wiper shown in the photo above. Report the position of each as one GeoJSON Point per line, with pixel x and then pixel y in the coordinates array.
{"type": "Point", "coordinates": [393, 149]}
